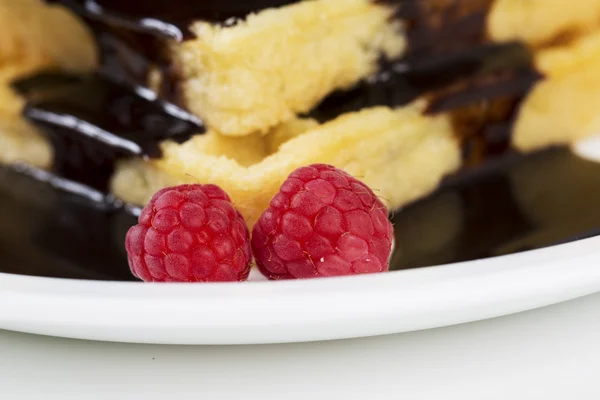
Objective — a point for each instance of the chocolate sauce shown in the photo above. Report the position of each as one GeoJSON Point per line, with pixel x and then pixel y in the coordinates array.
{"type": "Point", "coordinates": [483, 112]}
{"type": "Point", "coordinates": [131, 56]}
{"type": "Point", "coordinates": [93, 121]}
{"type": "Point", "coordinates": [513, 204]}
{"type": "Point", "coordinates": [451, 62]}
{"type": "Point", "coordinates": [506, 206]}
{"type": "Point", "coordinates": [447, 47]}
{"type": "Point", "coordinates": [443, 26]}
{"type": "Point", "coordinates": [401, 82]}
{"type": "Point", "coordinates": [484, 106]}
{"type": "Point", "coordinates": [54, 228]}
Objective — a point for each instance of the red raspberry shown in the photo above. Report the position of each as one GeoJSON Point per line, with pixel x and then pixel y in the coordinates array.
{"type": "Point", "coordinates": [190, 233]}
{"type": "Point", "coordinates": [323, 222]}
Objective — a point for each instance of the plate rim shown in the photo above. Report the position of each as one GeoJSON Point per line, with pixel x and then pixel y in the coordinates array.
{"type": "Point", "coordinates": [300, 311]}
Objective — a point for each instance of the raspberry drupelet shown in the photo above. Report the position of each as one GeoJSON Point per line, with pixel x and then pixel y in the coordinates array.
{"type": "Point", "coordinates": [190, 233]}
{"type": "Point", "coordinates": [323, 222]}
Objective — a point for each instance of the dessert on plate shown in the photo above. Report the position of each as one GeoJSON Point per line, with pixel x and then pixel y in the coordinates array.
{"type": "Point", "coordinates": [127, 98]}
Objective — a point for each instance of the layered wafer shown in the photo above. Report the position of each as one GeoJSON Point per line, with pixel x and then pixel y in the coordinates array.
{"type": "Point", "coordinates": [399, 93]}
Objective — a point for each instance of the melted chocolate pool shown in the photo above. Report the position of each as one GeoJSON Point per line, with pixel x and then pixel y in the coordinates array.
{"type": "Point", "coordinates": [512, 205]}
{"type": "Point", "coordinates": [50, 231]}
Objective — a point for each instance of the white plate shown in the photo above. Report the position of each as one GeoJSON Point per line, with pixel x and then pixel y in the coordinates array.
{"type": "Point", "coordinates": [296, 311]}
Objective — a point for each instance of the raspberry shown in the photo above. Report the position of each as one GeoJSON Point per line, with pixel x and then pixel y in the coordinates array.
{"type": "Point", "coordinates": [323, 222]}
{"type": "Point", "coordinates": [190, 233]}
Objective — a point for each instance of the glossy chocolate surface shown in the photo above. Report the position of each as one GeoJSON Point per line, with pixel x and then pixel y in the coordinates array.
{"type": "Point", "coordinates": [93, 121]}
{"type": "Point", "coordinates": [508, 206]}
{"type": "Point", "coordinates": [443, 26]}
{"type": "Point", "coordinates": [401, 82]}
{"type": "Point", "coordinates": [64, 231]}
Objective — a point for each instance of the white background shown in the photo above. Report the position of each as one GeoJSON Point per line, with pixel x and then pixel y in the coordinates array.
{"type": "Point", "coordinates": [552, 353]}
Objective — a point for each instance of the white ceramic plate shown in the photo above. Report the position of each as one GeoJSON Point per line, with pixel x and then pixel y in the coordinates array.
{"type": "Point", "coordinates": [295, 311]}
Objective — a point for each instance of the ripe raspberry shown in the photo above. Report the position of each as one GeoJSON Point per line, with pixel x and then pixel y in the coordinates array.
{"type": "Point", "coordinates": [323, 222]}
{"type": "Point", "coordinates": [190, 233]}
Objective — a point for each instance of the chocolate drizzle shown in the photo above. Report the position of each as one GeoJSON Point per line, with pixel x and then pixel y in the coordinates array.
{"type": "Point", "coordinates": [132, 56]}
{"type": "Point", "coordinates": [443, 26]}
{"type": "Point", "coordinates": [92, 121]}
{"type": "Point", "coordinates": [451, 63]}
{"type": "Point", "coordinates": [401, 82]}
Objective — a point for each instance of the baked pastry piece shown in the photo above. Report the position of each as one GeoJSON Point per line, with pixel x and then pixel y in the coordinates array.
{"type": "Point", "coordinates": [565, 39]}
{"type": "Point", "coordinates": [563, 107]}
{"type": "Point", "coordinates": [542, 23]}
{"type": "Point", "coordinates": [399, 153]}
